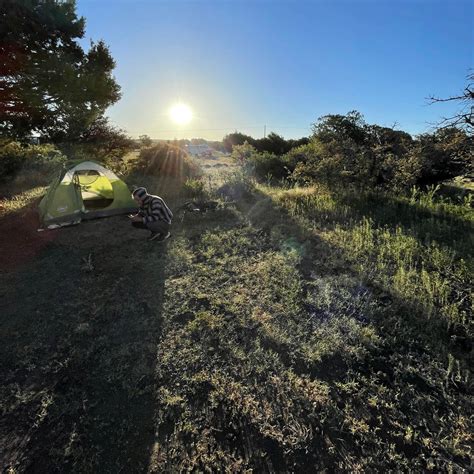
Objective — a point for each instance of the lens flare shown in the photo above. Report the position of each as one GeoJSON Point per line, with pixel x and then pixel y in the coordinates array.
{"type": "Point", "coordinates": [181, 114]}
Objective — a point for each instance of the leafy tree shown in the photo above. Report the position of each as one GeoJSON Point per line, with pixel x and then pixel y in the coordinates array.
{"type": "Point", "coordinates": [236, 138]}
{"type": "Point", "coordinates": [48, 84]}
{"type": "Point", "coordinates": [105, 139]}
{"type": "Point", "coordinates": [295, 143]}
{"type": "Point", "coordinates": [15, 157]}
{"type": "Point", "coordinates": [444, 154]}
{"type": "Point", "coordinates": [273, 143]}
{"type": "Point", "coordinates": [164, 159]}
{"type": "Point", "coordinates": [145, 140]}
{"type": "Point", "coordinates": [242, 153]}
{"type": "Point", "coordinates": [101, 141]}
{"type": "Point", "coordinates": [340, 127]}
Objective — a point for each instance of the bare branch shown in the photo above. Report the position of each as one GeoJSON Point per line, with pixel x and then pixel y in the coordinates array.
{"type": "Point", "coordinates": [465, 116]}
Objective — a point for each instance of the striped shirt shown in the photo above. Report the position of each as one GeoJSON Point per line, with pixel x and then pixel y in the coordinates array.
{"type": "Point", "coordinates": [155, 209]}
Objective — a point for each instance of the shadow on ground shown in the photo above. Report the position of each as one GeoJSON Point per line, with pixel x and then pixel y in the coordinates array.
{"type": "Point", "coordinates": [81, 319]}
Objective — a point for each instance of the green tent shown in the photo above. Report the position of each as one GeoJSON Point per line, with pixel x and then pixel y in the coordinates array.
{"type": "Point", "coordinates": [85, 191]}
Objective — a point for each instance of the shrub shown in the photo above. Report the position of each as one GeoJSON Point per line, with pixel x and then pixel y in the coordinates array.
{"type": "Point", "coordinates": [238, 186]}
{"type": "Point", "coordinates": [166, 160]}
{"type": "Point", "coordinates": [193, 188]}
{"type": "Point", "coordinates": [101, 142]}
{"type": "Point", "coordinates": [267, 165]}
{"type": "Point", "coordinates": [12, 158]}
{"type": "Point", "coordinates": [15, 157]}
{"type": "Point", "coordinates": [262, 165]}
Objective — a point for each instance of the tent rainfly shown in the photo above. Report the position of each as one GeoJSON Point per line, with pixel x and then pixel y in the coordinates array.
{"type": "Point", "coordinates": [86, 191]}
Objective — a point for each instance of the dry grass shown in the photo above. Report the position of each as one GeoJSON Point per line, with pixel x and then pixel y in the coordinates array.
{"type": "Point", "coordinates": [268, 335]}
{"type": "Point", "coordinates": [17, 202]}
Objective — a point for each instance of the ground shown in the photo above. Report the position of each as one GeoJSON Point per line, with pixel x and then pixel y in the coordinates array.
{"type": "Point", "coordinates": [253, 340]}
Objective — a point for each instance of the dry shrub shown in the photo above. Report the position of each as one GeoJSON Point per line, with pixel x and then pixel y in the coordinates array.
{"type": "Point", "coordinates": [166, 160]}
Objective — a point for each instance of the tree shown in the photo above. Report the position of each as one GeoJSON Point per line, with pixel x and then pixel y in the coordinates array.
{"type": "Point", "coordinates": [444, 154]}
{"type": "Point", "coordinates": [340, 127]}
{"type": "Point", "coordinates": [464, 118]}
{"type": "Point", "coordinates": [101, 141]}
{"type": "Point", "coordinates": [145, 140]}
{"type": "Point", "coordinates": [274, 143]}
{"type": "Point", "coordinates": [48, 84]}
{"type": "Point", "coordinates": [105, 139]}
{"type": "Point", "coordinates": [236, 138]}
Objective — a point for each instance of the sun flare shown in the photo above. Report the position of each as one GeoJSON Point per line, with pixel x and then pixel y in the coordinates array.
{"type": "Point", "coordinates": [181, 114]}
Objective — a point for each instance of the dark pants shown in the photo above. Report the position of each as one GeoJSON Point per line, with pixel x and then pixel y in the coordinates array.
{"type": "Point", "coordinates": [161, 227]}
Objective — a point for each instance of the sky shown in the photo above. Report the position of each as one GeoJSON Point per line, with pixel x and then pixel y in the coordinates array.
{"type": "Point", "coordinates": [244, 65]}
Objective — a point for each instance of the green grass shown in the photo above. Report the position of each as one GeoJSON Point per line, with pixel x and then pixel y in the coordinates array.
{"type": "Point", "coordinates": [289, 330]}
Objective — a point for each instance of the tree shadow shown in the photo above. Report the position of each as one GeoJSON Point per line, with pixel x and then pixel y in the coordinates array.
{"type": "Point", "coordinates": [81, 326]}
{"type": "Point", "coordinates": [396, 319]}
{"type": "Point", "coordinates": [321, 258]}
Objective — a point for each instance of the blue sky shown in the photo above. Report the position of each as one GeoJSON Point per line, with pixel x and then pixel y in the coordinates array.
{"type": "Point", "coordinates": [242, 64]}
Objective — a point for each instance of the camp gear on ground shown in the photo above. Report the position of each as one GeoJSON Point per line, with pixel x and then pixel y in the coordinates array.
{"type": "Point", "coordinates": [84, 191]}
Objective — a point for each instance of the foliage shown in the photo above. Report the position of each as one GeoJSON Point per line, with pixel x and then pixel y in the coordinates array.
{"type": "Point", "coordinates": [345, 150]}
{"type": "Point", "coordinates": [165, 160]}
{"type": "Point", "coordinates": [263, 165]}
{"type": "Point", "coordinates": [145, 140]}
{"type": "Point", "coordinates": [15, 157]}
{"type": "Point", "coordinates": [102, 142]}
{"type": "Point", "coordinates": [193, 188]}
{"type": "Point", "coordinates": [444, 154]}
{"type": "Point", "coordinates": [273, 143]}
{"type": "Point", "coordinates": [234, 139]}
{"type": "Point", "coordinates": [50, 84]}
{"type": "Point", "coordinates": [349, 127]}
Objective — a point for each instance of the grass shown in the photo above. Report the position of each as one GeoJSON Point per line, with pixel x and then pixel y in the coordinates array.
{"type": "Point", "coordinates": [16, 202]}
{"type": "Point", "coordinates": [288, 330]}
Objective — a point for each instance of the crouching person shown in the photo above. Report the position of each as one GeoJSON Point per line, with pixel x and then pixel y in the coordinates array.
{"type": "Point", "coordinates": [153, 214]}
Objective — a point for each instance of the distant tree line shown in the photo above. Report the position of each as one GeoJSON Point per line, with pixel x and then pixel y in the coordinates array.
{"type": "Point", "coordinates": [344, 149]}
{"type": "Point", "coordinates": [54, 90]}
{"type": "Point", "coordinates": [273, 143]}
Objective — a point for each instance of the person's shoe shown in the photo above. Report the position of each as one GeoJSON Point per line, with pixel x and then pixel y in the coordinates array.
{"type": "Point", "coordinates": [154, 236]}
{"type": "Point", "coordinates": [163, 237]}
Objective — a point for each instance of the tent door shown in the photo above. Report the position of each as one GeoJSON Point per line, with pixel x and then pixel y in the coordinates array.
{"type": "Point", "coordinates": [96, 190]}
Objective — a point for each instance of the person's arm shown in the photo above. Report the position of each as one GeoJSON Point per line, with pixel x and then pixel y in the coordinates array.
{"type": "Point", "coordinates": [138, 217]}
{"type": "Point", "coordinates": [168, 211]}
{"type": "Point", "coordinates": [159, 212]}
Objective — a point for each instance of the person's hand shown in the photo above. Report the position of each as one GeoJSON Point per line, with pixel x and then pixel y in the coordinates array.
{"type": "Point", "coordinates": [136, 218]}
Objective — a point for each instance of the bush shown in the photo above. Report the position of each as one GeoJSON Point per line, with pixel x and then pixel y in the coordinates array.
{"type": "Point", "coordinates": [193, 188]}
{"type": "Point", "coordinates": [263, 165]}
{"type": "Point", "coordinates": [12, 158]}
{"type": "Point", "coordinates": [101, 142]}
{"type": "Point", "coordinates": [166, 160]}
{"type": "Point", "coordinates": [346, 150]}
{"type": "Point", "coordinates": [15, 157]}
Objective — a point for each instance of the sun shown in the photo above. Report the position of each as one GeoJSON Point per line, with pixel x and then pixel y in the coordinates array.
{"type": "Point", "coordinates": [181, 114]}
